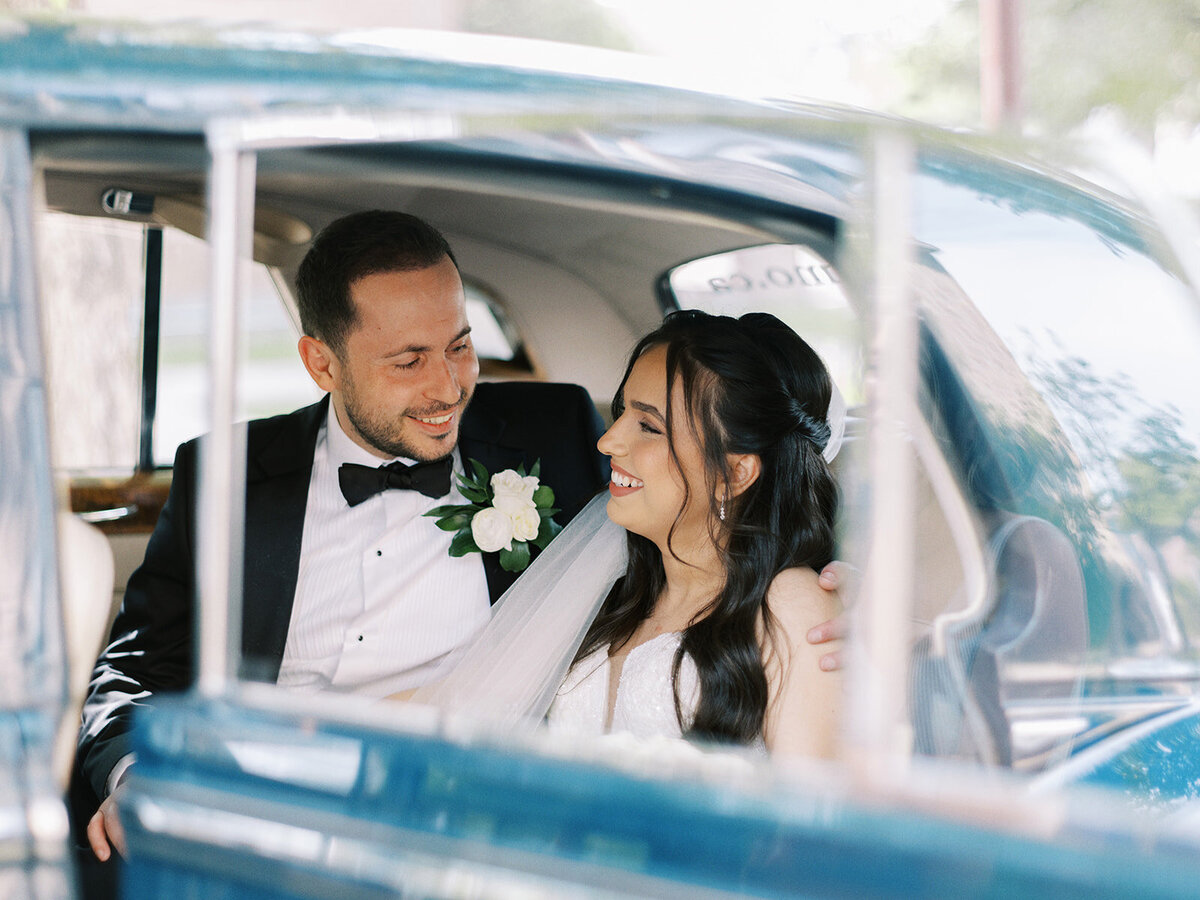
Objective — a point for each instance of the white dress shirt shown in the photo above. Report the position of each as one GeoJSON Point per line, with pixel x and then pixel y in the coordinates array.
{"type": "Point", "coordinates": [380, 604]}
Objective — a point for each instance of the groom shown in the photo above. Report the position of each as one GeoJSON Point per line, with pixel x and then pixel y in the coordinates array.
{"type": "Point", "coordinates": [347, 585]}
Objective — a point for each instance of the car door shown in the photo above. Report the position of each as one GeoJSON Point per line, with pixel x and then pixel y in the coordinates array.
{"type": "Point", "coordinates": [36, 718]}
{"type": "Point", "coordinates": [446, 807]}
{"type": "Point", "coordinates": [573, 197]}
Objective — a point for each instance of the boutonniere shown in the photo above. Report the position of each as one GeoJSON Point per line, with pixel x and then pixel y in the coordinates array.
{"type": "Point", "coordinates": [508, 511]}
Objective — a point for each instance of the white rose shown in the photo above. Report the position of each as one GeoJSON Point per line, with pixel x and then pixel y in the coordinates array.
{"type": "Point", "coordinates": [526, 523]}
{"type": "Point", "coordinates": [492, 530]}
{"type": "Point", "coordinates": [509, 487]}
{"type": "Point", "coordinates": [512, 504]}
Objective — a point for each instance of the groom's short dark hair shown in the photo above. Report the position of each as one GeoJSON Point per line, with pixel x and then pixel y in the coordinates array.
{"type": "Point", "coordinates": [350, 248]}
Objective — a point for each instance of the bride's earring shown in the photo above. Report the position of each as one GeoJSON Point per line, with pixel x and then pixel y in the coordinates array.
{"type": "Point", "coordinates": [721, 511]}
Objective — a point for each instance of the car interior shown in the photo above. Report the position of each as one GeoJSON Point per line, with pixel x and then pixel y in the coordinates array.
{"type": "Point", "coordinates": [1028, 511]}
{"type": "Point", "coordinates": [571, 266]}
{"type": "Point", "coordinates": [573, 269]}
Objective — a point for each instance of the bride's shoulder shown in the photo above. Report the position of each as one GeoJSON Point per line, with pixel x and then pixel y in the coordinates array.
{"type": "Point", "coordinates": [798, 602]}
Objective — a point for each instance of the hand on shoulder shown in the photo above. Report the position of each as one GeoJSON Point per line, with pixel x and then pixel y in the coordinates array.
{"type": "Point", "coordinates": [831, 579]}
{"type": "Point", "coordinates": [804, 701]}
{"type": "Point", "coordinates": [799, 603]}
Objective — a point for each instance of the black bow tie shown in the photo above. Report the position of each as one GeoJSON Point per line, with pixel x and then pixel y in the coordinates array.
{"type": "Point", "coordinates": [360, 483]}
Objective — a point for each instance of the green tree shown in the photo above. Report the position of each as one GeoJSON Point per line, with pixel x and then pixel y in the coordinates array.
{"type": "Point", "coordinates": [1139, 59]}
{"type": "Point", "coordinates": [1160, 475]}
{"type": "Point", "coordinates": [28, 6]}
{"type": "Point", "coordinates": [942, 71]}
{"type": "Point", "coordinates": [572, 21]}
{"type": "Point", "coordinates": [1142, 471]}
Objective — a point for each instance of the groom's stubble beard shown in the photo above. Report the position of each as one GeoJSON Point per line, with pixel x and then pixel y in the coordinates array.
{"type": "Point", "coordinates": [386, 433]}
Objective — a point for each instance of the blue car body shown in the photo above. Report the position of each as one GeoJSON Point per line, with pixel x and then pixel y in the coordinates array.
{"type": "Point", "coordinates": [241, 793]}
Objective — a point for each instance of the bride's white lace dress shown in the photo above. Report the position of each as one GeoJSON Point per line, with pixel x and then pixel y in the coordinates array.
{"type": "Point", "coordinates": [645, 704]}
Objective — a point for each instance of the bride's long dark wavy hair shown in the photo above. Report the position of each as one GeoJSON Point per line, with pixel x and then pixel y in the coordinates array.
{"type": "Point", "coordinates": [750, 386]}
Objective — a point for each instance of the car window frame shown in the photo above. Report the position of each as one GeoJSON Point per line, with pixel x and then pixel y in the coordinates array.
{"type": "Point", "coordinates": [876, 721]}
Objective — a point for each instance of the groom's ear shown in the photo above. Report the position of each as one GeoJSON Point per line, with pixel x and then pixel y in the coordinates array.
{"type": "Point", "coordinates": [320, 360]}
{"type": "Point", "coordinates": [744, 469]}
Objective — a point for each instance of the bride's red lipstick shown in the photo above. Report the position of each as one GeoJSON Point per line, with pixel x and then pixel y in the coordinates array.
{"type": "Point", "coordinates": [621, 490]}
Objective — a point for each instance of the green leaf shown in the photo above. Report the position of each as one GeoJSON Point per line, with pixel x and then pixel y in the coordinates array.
{"type": "Point", "coordinates": [516, 559]}
{"type": "Point", "coordinates": [536, 471]}
{"type": "Point", "coordinates": [481, 473]}
{"type": "Point", "coordinates": [466, 483]}
{"type": "Point", "coordinates": [457, 521]}
{"type": "Point", "coordinates": [463, 544]}
{"type": "Point", "coordinates": [447, 510]}
{"type": "Point", "coordinates": [474, 494]}
{"type": "Point", "coordinates": [543, 496]}
{"type": "Point", "coordinates": [546, 533]}
{"type": "Point", "coordinates": [548, 512]}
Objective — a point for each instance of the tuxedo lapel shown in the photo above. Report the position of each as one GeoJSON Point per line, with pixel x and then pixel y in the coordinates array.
{"type": "Point", "coordinates": [483, 438]}
{"type": "Point", "coordinates": [512, 424]}
{"type": "Point", "coordinates": [278, 470]}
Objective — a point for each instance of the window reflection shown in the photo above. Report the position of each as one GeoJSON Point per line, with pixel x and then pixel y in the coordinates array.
{"type": "Point", "coordinates": [790, 281]}
{"type": "Point", "coordinates": [1073, 347]}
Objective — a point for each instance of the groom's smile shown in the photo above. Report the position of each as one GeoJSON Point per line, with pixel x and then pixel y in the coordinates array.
{"type": "Point", "coordinates": [407, 367]}
{"type": "Point", "coordinates": [440, 424]}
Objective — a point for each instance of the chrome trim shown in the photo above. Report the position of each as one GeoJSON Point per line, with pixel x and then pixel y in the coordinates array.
{"type": "Point", "coordinates": [974, 567]}
{"type": "Point", "coordinates": [32, 655]}
{"type": "Point", "coordinates": [877, 724]}
{"type": "Point", "coordinates": [286, 300]}
{"type": "Point", "coordinates": [115, 514]}
{"type": "Point", "coordinates": [962, 529]}
{"type": "Point", "coordinates": [222, 453]}
{"type": "Point", "coordinates": [1090, 758]}
{"type": "Point", "coordinates": [184, 823]}
{"type": "Point", "coordinates": [313, 128]}
{"type": "Point", "coordinates": [33, 664]}
{"type": "Point", "coordinates": [232, 145]}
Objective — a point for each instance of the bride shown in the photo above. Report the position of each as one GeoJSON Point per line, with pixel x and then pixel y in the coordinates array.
{"type": "Point", "coordinates": [725, 505]}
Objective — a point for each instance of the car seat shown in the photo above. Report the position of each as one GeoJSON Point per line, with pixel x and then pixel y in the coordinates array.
{"type": "Point", "coordinates": [1024, 637]}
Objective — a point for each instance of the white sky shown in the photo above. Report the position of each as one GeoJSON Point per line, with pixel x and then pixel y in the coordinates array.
{"type": "Point", "coordinates": [835, 50]}
{"type": "Point", "coordinates": [794, 47]}
{"type": "Point", "coordinates": [779, 47]}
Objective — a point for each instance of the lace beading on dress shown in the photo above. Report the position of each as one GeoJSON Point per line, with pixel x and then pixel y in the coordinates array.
{"type": "Point", "coordinates": [645, 705]}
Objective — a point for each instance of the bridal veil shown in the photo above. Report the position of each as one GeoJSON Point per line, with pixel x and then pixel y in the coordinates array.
{"type": "Point", "coordinates": [511, 672]}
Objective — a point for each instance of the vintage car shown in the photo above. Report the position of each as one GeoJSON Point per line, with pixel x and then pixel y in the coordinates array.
{"type": "Point", "coordinates": [1019, 492]}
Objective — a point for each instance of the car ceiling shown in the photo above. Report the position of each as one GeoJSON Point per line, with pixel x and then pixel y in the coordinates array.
{"type": "Point", "coordinates": [574, 260]}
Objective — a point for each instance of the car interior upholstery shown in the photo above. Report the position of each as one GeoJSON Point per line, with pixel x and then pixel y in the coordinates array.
{"type": "Point", "coordinates": [534, 240]}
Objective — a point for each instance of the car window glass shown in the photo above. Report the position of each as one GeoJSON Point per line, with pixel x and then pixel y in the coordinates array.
{"type": "Point", "coordinates": [272, 379]}
{"type": "Point", "coordinates": [791, 281]}
{"type": "Point", "coordinates": [1056, 361]}
{"type": "Point", "coordinates": [91, 274]}
{"type": "Point", "coordinates": [491, 332]}
{"type": "Point", "coordinates": [90, 277]}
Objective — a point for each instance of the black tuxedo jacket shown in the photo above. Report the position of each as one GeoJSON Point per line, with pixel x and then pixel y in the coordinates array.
{"type": "Point", "coordinates": [151, 648]}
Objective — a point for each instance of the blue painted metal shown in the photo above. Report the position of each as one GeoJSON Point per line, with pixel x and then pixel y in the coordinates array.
{"type": "Point", "coordinates": [486, 801]}
{"type": "Point", "coordinates": [178, 77]}
{"type": "Point", "coordinates": [585, 824]}
{"type": "Point", "coordinates": [33, 823]}
{"type": "Point", "coordinates": [183, 74]}
{"type": "Point", "coordinates": [1154, 764]}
